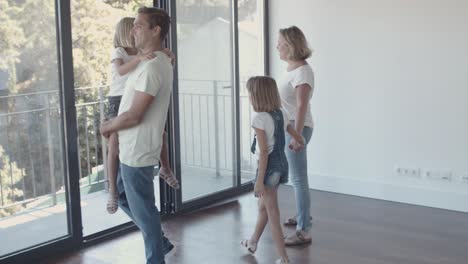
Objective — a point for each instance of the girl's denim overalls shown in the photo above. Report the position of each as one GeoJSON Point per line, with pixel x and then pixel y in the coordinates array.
{"type": "Point", "coordinates": [277, 167]}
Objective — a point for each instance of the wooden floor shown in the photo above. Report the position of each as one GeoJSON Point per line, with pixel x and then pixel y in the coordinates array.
{"type": "Point", "coordinates": [347, 229]}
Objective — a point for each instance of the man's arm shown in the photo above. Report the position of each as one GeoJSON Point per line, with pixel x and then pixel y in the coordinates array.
{"type": "Point", "coordinates": [140, 104]}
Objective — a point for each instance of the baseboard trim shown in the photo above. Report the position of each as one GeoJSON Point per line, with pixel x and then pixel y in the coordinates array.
{"type": "Point", "coordinates": [391, 192]}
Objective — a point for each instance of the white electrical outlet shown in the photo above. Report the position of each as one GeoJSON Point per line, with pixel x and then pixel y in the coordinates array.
{"type": "Point", "coordinates": [414, 172]}
{"type": "Point", "coordinates": [438, 175]}
{"type": "Point", "coordinates": [408, 172]}
{"type": "Point", "coordinates": [464, 178]}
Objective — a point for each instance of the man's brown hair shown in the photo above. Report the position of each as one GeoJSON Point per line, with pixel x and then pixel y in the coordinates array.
{"type": "Point", "coordinates": [157, 17]}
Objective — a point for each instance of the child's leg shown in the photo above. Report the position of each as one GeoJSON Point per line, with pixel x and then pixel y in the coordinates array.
{"type": "Point", "coordinates": [112, 168]}
{"type": "Point", "coordinates": [164, 155]}
{"type": "Point", "coordinates": [165, 172]}
{"type": "Point", "coordinates": [270, 198]}
{"type": "Point", "coordinates": [262, 220]}
{"type": "Point", "coordinates": [113, 162]}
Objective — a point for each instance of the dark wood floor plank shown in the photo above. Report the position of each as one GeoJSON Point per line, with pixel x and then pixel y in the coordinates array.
{"type": "Point", "coordinates": [346, 229]}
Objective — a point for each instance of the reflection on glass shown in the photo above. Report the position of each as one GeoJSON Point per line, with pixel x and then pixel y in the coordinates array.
{"type": "Point", "coordinates": [205, 97]}
{"type": "Point", "coordinates": [93, 28]}
{"type": "Point", "coordinates": [251, 63]}
{"type": "Point", "coordinates": [33, 209]}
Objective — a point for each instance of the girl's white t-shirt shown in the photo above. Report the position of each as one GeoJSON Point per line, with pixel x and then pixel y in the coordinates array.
{"type": "Point", "coordinates": [264, 121]}
{"type": "Point", "coordinates": [287, 89]}
{"type": "Point", "coordinates": [117, 85]}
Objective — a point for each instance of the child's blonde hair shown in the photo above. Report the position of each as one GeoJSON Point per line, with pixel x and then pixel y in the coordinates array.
{"type": "Point", "coordinates": [297, 43]}
{"type": "Point", "coordinates": [264, 94]}
{"type": "Point", "coordinates": [123, 37]}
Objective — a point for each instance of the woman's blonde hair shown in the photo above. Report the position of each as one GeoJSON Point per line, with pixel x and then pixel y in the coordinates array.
{"type": "Point", "coordinates": [123, 37]}
{"type": "Point", "coordinates": [264, 94]}
{"type": "Point", "coordinates": [297, 43]}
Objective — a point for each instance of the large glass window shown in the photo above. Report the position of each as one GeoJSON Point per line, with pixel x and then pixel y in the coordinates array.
{"type": "Point", "coordinates": [204, 43]}
{"type": "Point", "coordinates": [93, 29]}
{"type": "Point", "coordinates": [207, 111]}
{"type": "Point", "coordinates": [251, 63]}
{"type": "Point", "coordinates": [33, 207]}
{"type": "Point", "coordinates": [34, 203]}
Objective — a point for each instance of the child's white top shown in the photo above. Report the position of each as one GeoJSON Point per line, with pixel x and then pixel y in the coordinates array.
{"type": "Point", "coordinates": [117, 85]}
{"type": "Point", "coordinates": [264, 121]}
{"type": "Point", "coordinates": [287, 89]}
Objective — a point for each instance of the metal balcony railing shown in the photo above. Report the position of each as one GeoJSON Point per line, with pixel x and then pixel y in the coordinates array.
{"type": "Point", "coordinates": [31, 169]}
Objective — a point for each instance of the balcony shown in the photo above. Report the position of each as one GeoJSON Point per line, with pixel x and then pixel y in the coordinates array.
{"type": "Point", "coordinates": [32, 193]}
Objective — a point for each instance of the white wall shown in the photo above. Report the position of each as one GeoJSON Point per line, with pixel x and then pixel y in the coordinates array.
{"type": "Point", "coordinates": [391, 89]}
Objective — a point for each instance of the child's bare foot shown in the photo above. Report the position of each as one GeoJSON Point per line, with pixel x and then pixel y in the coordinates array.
{"type": "Point", "coordinates": [168, 176]}
{"type": "Point", "coordinates": [112, 203]}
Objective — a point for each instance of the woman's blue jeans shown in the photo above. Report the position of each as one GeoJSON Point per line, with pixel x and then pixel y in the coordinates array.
{"type": "Point", "coordinates": [299, 179]}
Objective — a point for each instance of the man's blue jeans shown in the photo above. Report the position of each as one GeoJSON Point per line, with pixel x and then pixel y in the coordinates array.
{"type": "Point", "coordinates": [298, 176]}
{"type": "Point", "coordinates": [136, 198]}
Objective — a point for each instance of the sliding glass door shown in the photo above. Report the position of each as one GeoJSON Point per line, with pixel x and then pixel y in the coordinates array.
{"type": "Point", "coordinates": [251, 28]}
{"type": "Point", "coordinates": [93, 28]}
{"type": "Point", "coordinates": [33, 178]}
{"type": "Point", "coordinates": [219, 44]}
{"type": "Point", "coordinates": [53, 87]}
{"type": "Point", "coordinates": [206, 97]}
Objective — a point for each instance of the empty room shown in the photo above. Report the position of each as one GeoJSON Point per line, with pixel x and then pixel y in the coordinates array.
{"type": "Point", "coordinates": [234, 131]}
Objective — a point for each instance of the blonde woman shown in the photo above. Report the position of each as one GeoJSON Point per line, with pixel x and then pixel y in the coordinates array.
{"type": "Point", "coordinates": [296, 89]}
{"type": "Point", "coordinates": [269, 123]}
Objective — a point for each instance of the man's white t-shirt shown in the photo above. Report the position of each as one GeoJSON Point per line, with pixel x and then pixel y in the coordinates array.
{"type": "Point", "coordinates": [264, 121]}
{"type": "Point", "coordinates": [117, 85]}
{"type": "Point", "coordinates": [287, 89]}
{"type": "Point", "coordinates": [140, 146]}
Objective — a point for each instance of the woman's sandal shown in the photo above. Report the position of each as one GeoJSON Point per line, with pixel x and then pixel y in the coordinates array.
{"type": "Point", "coordinates": [169, 178]}
{"type": "Point", "coordinates": [296, 239]}
{"type": "Point", "coordinates": [112, 204]}
{"type": "Point", "coordinates": [250, 246]}
{"type": "Point", "coordinates": [292, 221]}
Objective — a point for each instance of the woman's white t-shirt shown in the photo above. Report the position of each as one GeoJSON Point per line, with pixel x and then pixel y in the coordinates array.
{"type": "Point", "coordinates": [264, 121]}
{"type": "Point", "coordinates": [287, 89]}
{"type": "Point", "coordinates": [117, 85]}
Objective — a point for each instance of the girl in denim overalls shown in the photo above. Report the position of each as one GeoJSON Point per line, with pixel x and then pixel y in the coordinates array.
{"type": "Point", "coordinates": [269, 125]}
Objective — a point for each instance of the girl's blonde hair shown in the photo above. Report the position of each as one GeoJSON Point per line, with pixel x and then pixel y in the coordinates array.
{"type": "Point", "coordinates": [264, 94]}
{"type": "Point", "coordinates": [297, 43]}
{"type": "Point", "coordinates": [123, 37]}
